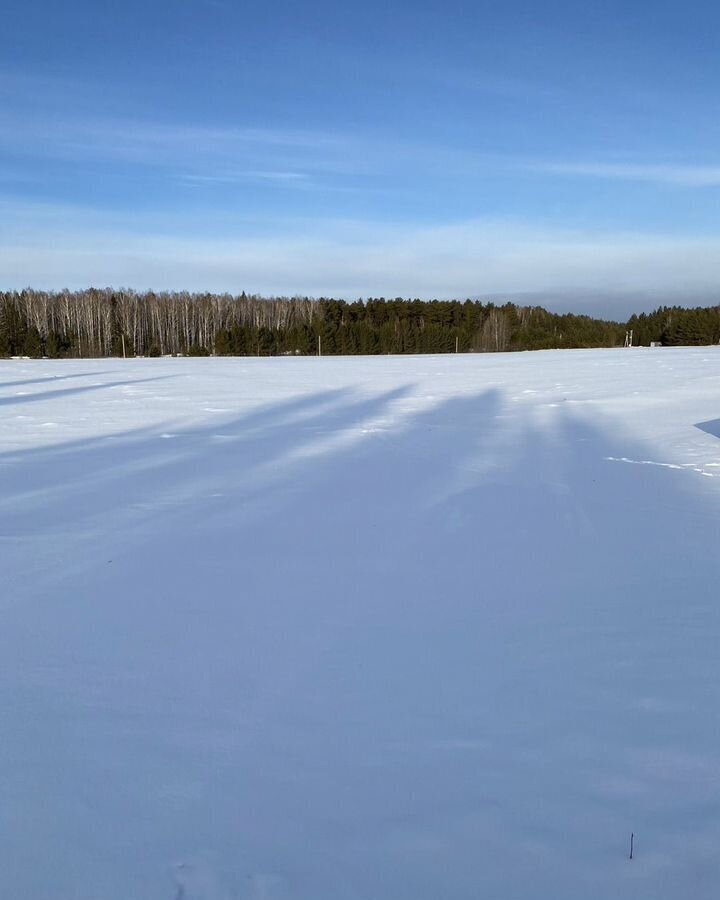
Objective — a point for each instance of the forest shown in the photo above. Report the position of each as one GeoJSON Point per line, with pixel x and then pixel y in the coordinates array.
{"type": "Point", "coordinates": [108, 322]}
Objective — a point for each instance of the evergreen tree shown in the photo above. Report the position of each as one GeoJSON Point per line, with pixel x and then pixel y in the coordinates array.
{"type": "Point", "coordinates": [32, 345]}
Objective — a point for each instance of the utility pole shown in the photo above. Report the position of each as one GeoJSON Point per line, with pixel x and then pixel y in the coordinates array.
{"type": "Point", "coordinates": [319, 345]}
{"type": "Point", "coordinates": [457, 342]}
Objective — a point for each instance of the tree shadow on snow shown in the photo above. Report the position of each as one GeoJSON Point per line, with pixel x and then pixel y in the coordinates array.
{"type": "Point", "coordinates": [24, 382]}
{"type": "Point", "coordinates": [64, 393]}
{"type": "Point", "coordinates": [711, 427]}
{"type": "Point", "coordinates": [349, 646]}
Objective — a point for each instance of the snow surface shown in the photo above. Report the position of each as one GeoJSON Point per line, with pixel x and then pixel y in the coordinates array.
{"type": "Point", "coordinates": [361, 629]}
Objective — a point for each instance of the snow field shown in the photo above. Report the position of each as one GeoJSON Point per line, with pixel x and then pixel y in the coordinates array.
{"type": "Point", "coordinates": [360, 628]}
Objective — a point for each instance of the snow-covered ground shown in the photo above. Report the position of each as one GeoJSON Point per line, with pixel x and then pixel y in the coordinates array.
{"type": "Point", "coordinates": [361, 629]}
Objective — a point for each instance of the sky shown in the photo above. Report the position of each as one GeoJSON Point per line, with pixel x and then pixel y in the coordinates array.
{"type": "Point", "coordinates": [559, 152]}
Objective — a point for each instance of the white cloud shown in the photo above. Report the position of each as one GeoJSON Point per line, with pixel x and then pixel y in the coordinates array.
{"type": "Point", "coordinates": [56, 247]}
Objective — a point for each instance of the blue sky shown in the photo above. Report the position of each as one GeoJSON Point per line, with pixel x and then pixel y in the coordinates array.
{"type": "Point", "coordinates": [560, 150]}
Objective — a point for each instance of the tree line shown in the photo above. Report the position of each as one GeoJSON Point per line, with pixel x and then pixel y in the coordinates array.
{"type": "Point", "coordinates": [675, 326]}
{"type": "Point", "coordinates": [94, 323]}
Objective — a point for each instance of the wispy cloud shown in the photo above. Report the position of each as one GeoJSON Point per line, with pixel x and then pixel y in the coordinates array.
{"type": "Point", "coordinates": [682, 175]}
{"type": "Point", "coordinates": [67, 121]}
{"type": "Point", "coordinates": [195, 153]}
{"type": "Point", "coordinates": [49, 119]}
{"type": "Point", "coordinates": [203, 154]}
{"type": "Point", "coordinates": [43, 118]}
{"type": "Point", "coordinates": [494, 84]}
{"type": "Point", "coordinates": [292, 178]}
{"type": "Point", "coordinates": [150, 142]}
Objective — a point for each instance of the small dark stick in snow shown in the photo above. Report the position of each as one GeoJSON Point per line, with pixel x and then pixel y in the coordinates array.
{"type": "Point", "coordinates": [632, 838]}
